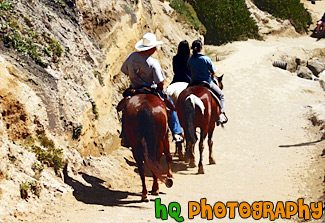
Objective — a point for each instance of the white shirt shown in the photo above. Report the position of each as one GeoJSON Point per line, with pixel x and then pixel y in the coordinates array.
{"type": "Point", "coordinates": [143, 70]}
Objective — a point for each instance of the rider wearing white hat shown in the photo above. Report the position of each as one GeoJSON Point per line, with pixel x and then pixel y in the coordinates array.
{"type": "Point", "coordinates": [145, 71]}
{"type": "Point", "coordinates": [148, 41]}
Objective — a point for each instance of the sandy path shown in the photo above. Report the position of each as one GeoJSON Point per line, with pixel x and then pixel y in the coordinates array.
{"type": "Point", "coordinates": [259, 154]}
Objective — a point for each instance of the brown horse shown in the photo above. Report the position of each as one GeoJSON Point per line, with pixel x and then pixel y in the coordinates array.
{"type": "Point", "coordinates": [145, 125]}
{"type": "Point", "coordinates": [197, 108]}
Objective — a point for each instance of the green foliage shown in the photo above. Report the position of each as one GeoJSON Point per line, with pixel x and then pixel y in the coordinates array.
{"type": "Point", "coordinates": [27, 187]}
{"type": "Point", "coordinates": [6, 6]}
{"type": "Point", "coordinates": [93, 103]}
{"type": "Point", "coordinates": [187, 14]}
{"type": "Point", "coordinates": [77, 132]}
{"type": "Point", "coordinates": [60, 3]}
{"type": "Point", "coordinates": [99, 76]}
{"type": "Point", "coordinates": [95, 110]}
{"type": "Point", "coordinates": [225, 20]}
{"type": "Point", "coordinates": [37, 167]}
{"type": "Point", "coordinates": [15, 32]}
{"type": "Point", "coordinates": [293, 10]}
{"type": "Point", "coordinates": [48, 155]}
{"type": "Point", "coordinates": [24, 188]}
{"type": "Point", "coordinates": [52, 157]}
{"type": "Point", "coordinates": [29, 141]}
{"type": "Point", "coordinates": [45, 141]}
{"type": "Point", "coordinates": [54, 47]}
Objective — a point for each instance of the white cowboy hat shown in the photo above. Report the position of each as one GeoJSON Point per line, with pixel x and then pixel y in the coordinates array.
{"type": "Point", "coordinates": [148, 41]}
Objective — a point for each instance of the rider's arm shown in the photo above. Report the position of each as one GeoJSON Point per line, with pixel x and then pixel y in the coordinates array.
{"type": "Point", "coordinates": [124, 69]}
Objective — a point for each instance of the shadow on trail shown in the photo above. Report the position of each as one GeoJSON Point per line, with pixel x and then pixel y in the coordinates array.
{"type": "Point", "coordinates": [302, 144]}
{"type": "Point", "coordinates": [317, 35]}
{"type": "Point", "coordinates": [97, 193]}
{"type": "Point", "coordinates": [177, 165]}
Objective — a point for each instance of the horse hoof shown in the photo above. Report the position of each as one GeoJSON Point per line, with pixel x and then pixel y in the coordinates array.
{"type": "Point", "coordinates": [200, 171]}
{"type": "Point", "coordinates": [181, 157]}
{"type": "Point", "coordinates": [187, 157]}
{"type": "Point", "coordinates": [155, 192]}
{"type": "Point", "coordinates": [169, 182]}
{"type": "Point", "coordinates": [211, 161]}
{"type": "Point", "coordinates": [192, 164]}
{"type": "Point", "coordinates": [145, 198]}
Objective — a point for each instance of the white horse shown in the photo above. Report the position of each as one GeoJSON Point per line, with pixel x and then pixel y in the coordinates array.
{"type": "Point", "coordinates": [175, 89]}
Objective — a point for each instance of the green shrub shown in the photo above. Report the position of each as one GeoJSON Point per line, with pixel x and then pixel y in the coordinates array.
{"type": "Point", "coordinates": [52, 157]}
{"type": "Point", "coordinates": [24, 188]}
{"type": "Point", "coordinates": [225, 20]}
{"type": "Point", "coordinates": [45, 141]}
{"type": "Point", "coordinates": [187, 14]}
{"type": "Point", "coordinates": [4, 5]}
{"type": "Point", "coordinates": [16, 32]}
{"type": "Point", "coordinates": [293, 10]}
{"type": "Point", "coordinates": [27, 187]}
{"type": "Point", "coordinates": [77, 132]}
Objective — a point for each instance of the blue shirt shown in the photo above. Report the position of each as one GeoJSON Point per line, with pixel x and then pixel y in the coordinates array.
{"type": "Point", "coordinates": [201, 68]}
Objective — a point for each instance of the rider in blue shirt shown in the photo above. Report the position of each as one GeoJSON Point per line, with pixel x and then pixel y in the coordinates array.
{"type": "Point", "coordinates": [202, 69]}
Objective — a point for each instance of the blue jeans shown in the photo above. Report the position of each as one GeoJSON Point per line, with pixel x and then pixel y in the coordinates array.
{"type": "Point", "coordinates": [173, 122]}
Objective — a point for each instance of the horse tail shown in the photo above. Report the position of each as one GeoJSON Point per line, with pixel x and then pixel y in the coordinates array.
{"type": "Point", "coordinates": [149, 142]}
{"type": "Point", "coordinates": [147, 124]}
{"type": "Point", "coordinates": [189, 115]}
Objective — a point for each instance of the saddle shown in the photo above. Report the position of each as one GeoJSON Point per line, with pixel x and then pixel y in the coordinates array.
{"type": "Point", "coordinates": [128, 93]}
{"type": "Point", "coordinates": [206, 85]}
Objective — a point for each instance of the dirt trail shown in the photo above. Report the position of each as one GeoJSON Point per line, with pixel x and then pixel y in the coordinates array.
{"type": "Point", "coordinates": [265, 153]}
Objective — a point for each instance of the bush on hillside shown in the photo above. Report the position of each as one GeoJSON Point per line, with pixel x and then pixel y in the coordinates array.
{"type": "Point", "coordinates": [187, 14]}
{"type": "Point", "coordinates": [225, 20]}
{"type": "Point", "coordinates": [293, 10]}
{"type": "Point", "coordinates": [19, 32]}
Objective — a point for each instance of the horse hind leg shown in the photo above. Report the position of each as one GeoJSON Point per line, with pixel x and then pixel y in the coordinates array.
{"type": "Point", "coordinates": [189, 156]}
{"type": "Point", "coordinates": [179, 151]}
{"type": "Point", "coordinates": [211, 160]}
{"type": "Point", "coordinates": [201, 148]}
{"type": "Point", "coordinates": [140, 164]}
{"type": "Point", "coordinates": [165, 148]}
{"type": "Point", "coordinates": [144, 196]}
{"type": "Point", "coordinates": [155, 185]}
